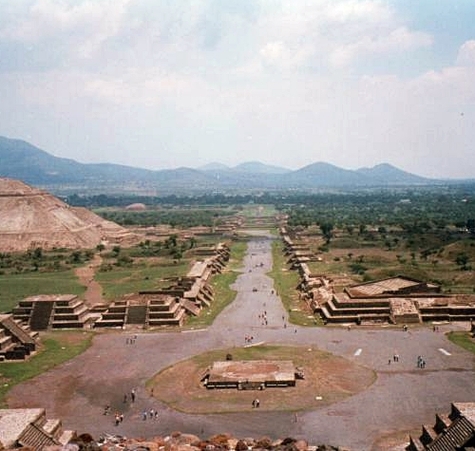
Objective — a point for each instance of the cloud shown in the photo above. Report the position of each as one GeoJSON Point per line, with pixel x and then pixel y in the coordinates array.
{"type": "Point", "coordinates": [83, 25]}
{"type": "Point", "coordinates": [328, 80]}
{"type": "Point", "coordinates": [396, 41]}
{"type": "Point", "coordinates": [466, 54]}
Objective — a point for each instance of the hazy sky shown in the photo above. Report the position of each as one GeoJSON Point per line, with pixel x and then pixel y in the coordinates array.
{"type": "Point", "coordinates": [168, 83]}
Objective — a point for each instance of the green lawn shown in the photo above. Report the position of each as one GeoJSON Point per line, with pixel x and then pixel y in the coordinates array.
{"type": "Point", "coordinates": [123, 280]}
{"type": "Point", "coordinates": [462, 339]}
{"type": "Point", "coordinates": [285, 284]}
{"type": "Point", "coordinates": [15, 287]}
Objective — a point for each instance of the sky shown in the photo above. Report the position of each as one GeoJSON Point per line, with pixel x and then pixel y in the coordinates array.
{"type": "Point", "coordinates": [162, 84]}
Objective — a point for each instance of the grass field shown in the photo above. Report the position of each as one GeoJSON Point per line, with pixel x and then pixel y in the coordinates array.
{"type": "Point", "coordinates": [146, 275]}
{"type": "Point", "coordinates": [360, 260]}
{"type": "Point", "coordinates": [462, 339]}
{"type": "Point", "coordinates": [285, 283]}
{"type": "Point", "coordinates": [15, 287]}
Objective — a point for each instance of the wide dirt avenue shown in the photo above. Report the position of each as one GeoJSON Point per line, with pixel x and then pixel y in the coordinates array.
{"type": "Point", "coordinates": [402, 397]}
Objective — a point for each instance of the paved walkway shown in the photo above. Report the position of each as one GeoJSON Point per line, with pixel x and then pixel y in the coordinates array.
{"type": "Point", "coordinates": [402, 397]}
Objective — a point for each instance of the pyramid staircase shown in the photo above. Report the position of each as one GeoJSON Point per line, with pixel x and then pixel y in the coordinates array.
{"type": "Point", "coordinates": [41, 315]}
{"type": "Point", "coordinates": [49, 311]}
{"type": "Point", "coordinates": [43, 432]}
{"type": "Point", "coordinates": [150, 310]}
{"type": "Point", "coordinates": [341, 309]}
{"type": "Point", "coordinates": [165, 311]}
{"type": "Point", "coordinates": [16, 340]}
{"type": "Point", "coordinates": [453, 432]}
{"type": "Point", "coordinates": [136, 314]}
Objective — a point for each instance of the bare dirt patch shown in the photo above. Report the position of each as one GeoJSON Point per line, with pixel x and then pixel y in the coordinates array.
{"type": "Point", "coordinates": [328, 379]}
{"type": "Point", "coordinates": [86, 274]}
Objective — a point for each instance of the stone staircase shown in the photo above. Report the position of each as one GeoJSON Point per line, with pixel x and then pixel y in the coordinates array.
{"type": "Point", "coordinates": [11, 348]}
{"type": "Point", "coordinates": [114, 316]}
{"type": "Point", "coordinates": [453, 432]}
{"type": "Point", "coordinates": [41, 315]}
{"type": "Point", "coordinates": [341, 309]}
{"type": "Point", "coordinates": [153, 310]}
{"type": "Point", "coordinates": [50, 311]}
{"type": "Point", "coordinates": [33, 430]}
{"type": "Point", "coordinates": [165, 311]}
{"type": "Point", "coordinates": [136, 314]}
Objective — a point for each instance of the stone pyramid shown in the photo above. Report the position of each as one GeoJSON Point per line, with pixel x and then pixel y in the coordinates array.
{"type": "Point", "coordinates": [31, 218]}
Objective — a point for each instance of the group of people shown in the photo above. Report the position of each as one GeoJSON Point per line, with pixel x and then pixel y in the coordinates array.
{"type": "Point", "coordinates": [248, 339]}
{"type": "Point", "coordinates": [394, 359]}
{"type": "Point", "coordinates": [118, 417]}
{"type": "Point", "coordinates": [421, 363]}
{"type": "Point", "coordinates": [152, 414]}
{"type": "Point", "coordinates": [263, 318]}
{"type": "Point", "coordinates": [131, 340]}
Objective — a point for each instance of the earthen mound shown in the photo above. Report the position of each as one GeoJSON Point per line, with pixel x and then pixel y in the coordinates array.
{"type": "Point", "coordinates": [31, 218]}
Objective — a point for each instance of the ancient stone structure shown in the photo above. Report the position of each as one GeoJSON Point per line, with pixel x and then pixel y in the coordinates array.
{"type": "Point", "coordinates": [250, 374]}
{"type": "Point", "coordinates": [31, 429]}
{"type": "Point", "coordinates": [17, 341]}
{"type": "Point", "coordinates": [453, 432]}
{"type": "Point", "coordinates": [164, 307]}
{"type": "Point", "coordinates": [169, 306]}
{"type": "Point", "coordinates": [144, 310]}
{"type": "Point", "coordinates": [31, 218]}
{"type": "Point", "coordinates": [53, 311]}
{"type": "Point", "coordinates": [398, 300]}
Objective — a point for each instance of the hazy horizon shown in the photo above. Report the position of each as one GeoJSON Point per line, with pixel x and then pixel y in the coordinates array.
{"type": "Point", "coordinates": [161, 85]}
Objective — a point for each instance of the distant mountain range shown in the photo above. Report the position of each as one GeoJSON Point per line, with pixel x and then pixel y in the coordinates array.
{"type": "Point", "coordinates": [23, 161]}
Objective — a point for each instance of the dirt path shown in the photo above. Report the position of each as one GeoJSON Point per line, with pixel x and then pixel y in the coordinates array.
{"type": "Point", "coordinates": [86, 274]}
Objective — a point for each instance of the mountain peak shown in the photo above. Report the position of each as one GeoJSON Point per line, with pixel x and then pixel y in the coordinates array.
{"type": "Point", "coordinates": [257, 167]}
{"type": "Point", "coordinates": [386, 171]}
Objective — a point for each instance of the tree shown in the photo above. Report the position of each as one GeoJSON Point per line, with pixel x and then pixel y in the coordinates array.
{"type": "Point", "coordinates": [76, 256]}
{"type": "Point", "coordinates": [171, 241]}
{"type": "Point", "coordinates": [471, 226]}
{"type": "Point", "coordinates": [462, 260]}
{"type": "Point", "coordinates": [38, 253]}
{"type": "Point", "coordinates": [327, 231]}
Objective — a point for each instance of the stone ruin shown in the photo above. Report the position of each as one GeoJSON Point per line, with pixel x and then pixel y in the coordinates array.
{"type": "Point", "coordinates": [452, 432]}
{"type": "Point", "coordinates": [251, 374]}
{"type": "Point", "coordinates": [396, 300]}
{"type": "Point", "coordinates": [17, 340]}
{"type": "Point", "coordinates": [31, 218]}
{"type": "Point", "coordinates": [169, 306]}
{"type": "Point", "coordinates": [166, 307]}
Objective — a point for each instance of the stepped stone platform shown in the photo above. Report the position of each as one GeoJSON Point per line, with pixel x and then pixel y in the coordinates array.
{"type": "Point", "coordinates": [164, 307]}
{"type": "Point", "coordinates": [31, 429]}
{"type": "Point", "coordinates": [453, 432]}
{"type": "Point", "coordinates": [396, 300]}
{"type": "Point", "coordinates": [17, 341]}
{"type": "Point", "coordinates": [250, 374]}
{"type": "Point", "coordinates": [53, 311]}
{"type": "Point", "coordinates": [148, 309]}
